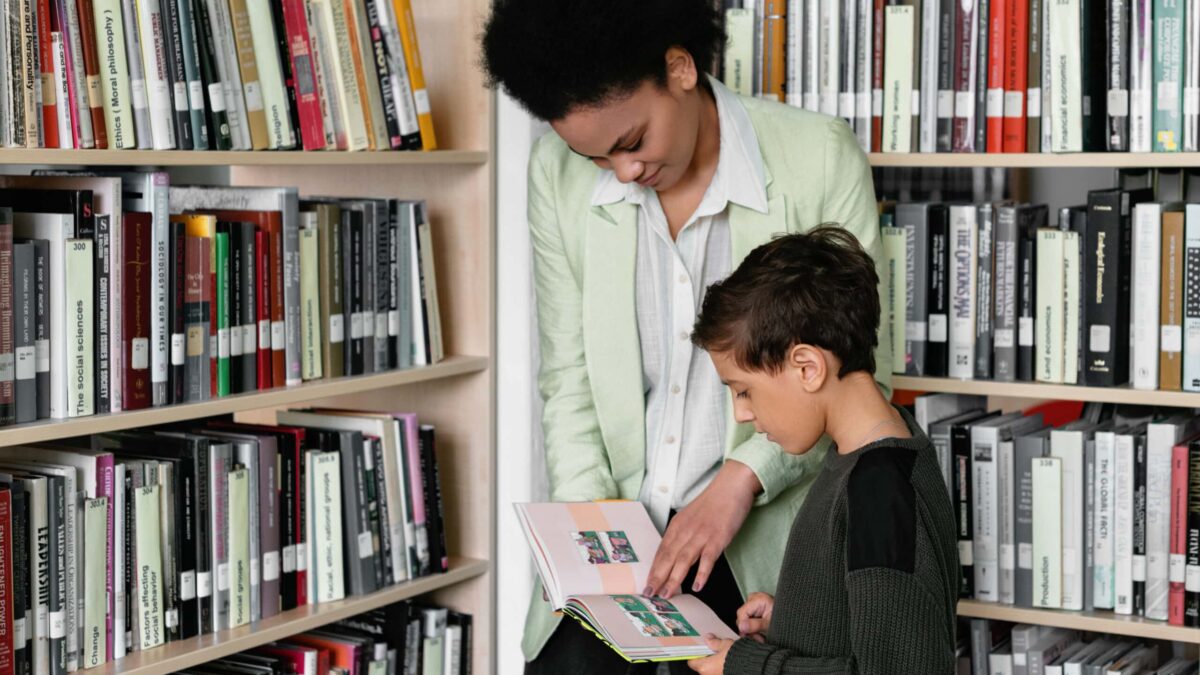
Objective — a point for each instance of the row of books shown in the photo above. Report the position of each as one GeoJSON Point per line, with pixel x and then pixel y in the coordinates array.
{"type": "Point", "coordinates": [979, 75]}
{"type": "Point", "coordinates": [1000, 648]}
{"type": "Point", "coordinates": [990, 291]}
{"type": "Point", "coordinates": [1091, 514]}
{"type": "Point", "coordinates": [401, 639]}
{"type": "Point", "coordinates": [213, 74]}
{"type": "Point", "coordinates": [122, 542]}
{"type": "Point", "coordinates": [120, 292]}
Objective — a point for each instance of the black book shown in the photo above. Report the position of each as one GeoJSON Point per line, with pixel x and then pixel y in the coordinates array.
{"type": "Point", "coordinates": [289, 527]}
{"type": "Point", "coordinates": [172, 45]}
{"type": "Point", "coordinates": [131, 483]}
{"type": "Point", "coordinates": [177, 312]}
{"type": "Point", "coordinates": [395, 314]}
{"type": "Point", "coordinates": [105, 381]}
{"type": "Point", "coordinates": [1094, 78]}
{"type": "Point", "coordinates": [352, 288]}
{"type": "Point", "coordinates": [937, 349]}
{"type": "Point", "coordinates": [381, 70]}
{"type": "Point", "coordinates": [1191, 610]}
{"type": "Point", "coordinates": [370, 486]}
{"type": "Point", "coordinates": [945, 73]}
{"type": "Point", "coordinates": [1079, 224]}
{"type": "Point", "coordinates": [982, 40]}
{"type": "Point", "coordinates": [1029, 219]}
{"type": "Point", "coordinates": [271, 664]}
{"type": "Point", "coordinates": [384, 554]}
{"type": "Point", "coordinates": [285, 65]}
{"type": "Point", "coordinates": [985, 287]}
{"type": "Point", "coordinates": [234, 303]}
{"type": "Point", "coordinates": [248, 318]}
{"type": "Point", "coordinates": [1117, 52]}
{"type": "Point", "coordinates": [41, 324]}
{"type": "Point", "coordinates": [23, 332]}
{"type": "Point", "coordinates": [218, 118]}
{"type": "Point", "coordinates": [467, 623]}
{"type": "Point", "coordinates": [383, 284]}
{"type": "Point", "coordinates": [962, 495]}
{"type": "Point", "coordinates": [1107, 277]}
{"type": "Point", "coordinates": [434, 513]}
{"type": "Point", "coordinates": [1139, 525]}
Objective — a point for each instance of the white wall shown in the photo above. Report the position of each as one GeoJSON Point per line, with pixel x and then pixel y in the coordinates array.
{"type": "Point", "coordinates": [520, 467]}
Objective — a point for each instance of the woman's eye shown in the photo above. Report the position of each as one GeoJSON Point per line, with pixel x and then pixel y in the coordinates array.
{"type": "Point", "coordinates": [635, 147]}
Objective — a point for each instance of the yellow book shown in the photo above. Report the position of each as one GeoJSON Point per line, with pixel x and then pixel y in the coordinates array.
{"type": "Point", "coordinates": [260, 138]}
{"type": "Point", "coordinates": [416, 73]}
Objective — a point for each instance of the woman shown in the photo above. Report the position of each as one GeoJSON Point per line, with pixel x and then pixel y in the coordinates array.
{"type": "Point", "coordinates": [656, 182]}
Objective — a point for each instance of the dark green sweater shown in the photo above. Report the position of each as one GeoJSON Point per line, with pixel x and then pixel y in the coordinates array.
{"type": "Point", "coordinates": [870, 576]}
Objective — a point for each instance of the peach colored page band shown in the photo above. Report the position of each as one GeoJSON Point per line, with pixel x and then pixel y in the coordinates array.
{"type": "Point", "coordinates": [615, 578]}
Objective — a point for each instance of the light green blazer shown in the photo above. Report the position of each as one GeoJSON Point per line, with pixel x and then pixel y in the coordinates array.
{"type": "Point", "coordinates": [591, 371]}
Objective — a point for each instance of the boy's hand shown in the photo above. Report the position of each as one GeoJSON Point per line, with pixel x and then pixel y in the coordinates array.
{"type": "Point", "coordinates": [754, 617]}
{"type": "Point", "coordinates": [715, 664]}
{"type": "Point", "coordinates": [703, 529]}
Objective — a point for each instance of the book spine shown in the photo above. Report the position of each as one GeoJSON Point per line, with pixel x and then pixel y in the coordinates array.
{"type": "Point", "coordinates": [928, 59]}
{"type": "Point", "coordinates": [1049, 341]}
{"type": "Point", "coordinates": [1072, 303]}
{"type": "Point", "coordinates": [79, 103]}
{"type": "Point", "coordinates": [239, 548]}
{"type": "Point", "coordinates": [1141, 82]}
{"type": "Point", "coordinates": [894, 257]}
{"type": "Point", "coordinates": [812, 71]}
{"type": "Point", "coordinates": [1169, 33]}
{"type": "Point", "coordinates": [1033, 90]}
{"type": "Point", "coordinates": [985, 535]}
{"type": "Point", "coordinates": [7, 359]}
{"type": "Point", "coordinates": [102, 299]}
{"type": "Point", "coordinates": [1147, 237]}
{"type": "Point", "coordinates": [1047, 532]}
{"type": "Point", "coordinates": [197, 317]}
{"type": "Point", "coordinates": [898, 85]}
{"type": "Point", "coordinates": [47, 35]}
{"type": "Point", "coordinates": [944, 56]}
{"type": "Point", "coordinates": [41, 262]}
{"type": "Point", "coordinates": [1191, 79]}
{"type": "Point", "coordinates": [177, 94]}
{"type": "Point", "coordinates": [863, 77]}
{"type": "Point", "coordinates": [963, 498]}
{"type": "Point", "coordinates": [1016, 76]}
{"type": "Point", "coordinates": [1160, 441]}
{"type": "Point", "coordinates": [1191, 299]}
{"type": "Point", "coordinates": [224, 342]}
{"type": "Point", "coordinates": [1094, 76]}
{"type": "Point", "coordinates": [289, 523]}
{"type": "Point", "coordinates": [328, 502]}
{"type": "Point", "coordinates": [81, 314]}
{"type": "Point", "coordinates": [263, 275]}
{"type": "Point", "coordinates": [1117, 52]}
{"type": "Point", "coordinates": [177, 316]}
{"type": "Point", "coordinates": [383, 287]}
{"type": "Point", "coordinates": [193, 82]}
{"type": "Point", "coordinates": [268, 499]}
{"type": "Point", "coordinates": [963, 268]}
{"type": "Point", "coordinates": [285, 69]}
{"type": "Point", "coordinates": [847, 36]}
{"type": "Point", "coordinates": [1069, 447]}
{"type": "Point", "coordinates": [137, 77]}
{"type": "Point", "coordinates": [323, 74]}
{"type": "Point", "coordinates": [965, 61]}
{"type": "Point", "coordinates": [1170, 365]}
{"type": "Point", "coordinates": [830, 73]}
{"type": "Point", "coordinates": [1192, 562]}
{"type": "Point", "coordinates": [23, 333]}
{"type": "Point", "coordinates": [1066, 125]}
{"type": "Point", "coordinates": [378, 65]}
{"type": "Point", "coordinates": [997, 50]}
{"type": "Point", "coordinates": [1104, 494]}
{"type": "Point", "coordinates": [149, 570]}
{"type": "Point", "coordinates": [416, 71]}
{"type": "Point", "coordinates": [213, 91]}
{"type": "Point", "coordinates": [251, 84]}
{"type": "Point", "coordinates": [222, 30]}
{"type": "Point", "coordinates": [312, 132]}
{"type": "Point", "coordinates": [275, 105]}
{"type": "Point", "coordinates": [434, 506]}
{"type": "Point", "coordinates": [115, 84]}
{"type": "Point", "coordinates": [136, 298]}
{"type": "Point", "coordinates": [309, 303]}
{"type": "Point", "coordinates": [248, 318]}
{"type": "Point", "coordinates": [984, 287]}
{"type": "Point", "coordinates": [1005, 311]}
{"type": "Point", "coordinates": [938, 303]}
{"type": "Point", "coordinates": [1140, 523]}
{"type": "Point", "coordinates": [1177, 561]}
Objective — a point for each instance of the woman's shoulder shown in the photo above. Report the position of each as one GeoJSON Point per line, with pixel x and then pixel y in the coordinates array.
{"type": "Point", "coordinates": [553, 164]}
{"type": "Point", "coordinates": [800, 143]}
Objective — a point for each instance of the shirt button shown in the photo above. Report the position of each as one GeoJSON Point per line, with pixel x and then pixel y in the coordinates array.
{"type": "Point", "coordinates": [683, 278]}
{"type": "Point", "coordinates": [675, 389]}
{"type": "Point", "coordinates": [663, 489]}
{"type": "Point", "coordinates": [683, 335]}
{"type": "Point", "coordinates": [670, 440]}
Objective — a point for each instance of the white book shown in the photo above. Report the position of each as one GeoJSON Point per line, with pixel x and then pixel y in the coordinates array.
{"type": "Point", "coordinates": [1066, 80]}
{"type": "Point", "coordinates": [1123, 524]}
{"type": "Point", "coordinates": [1000, 663]}
{"type": "Point", "coordinates": [898, 24]}
{"type": "Point", "coordinates": [148, 573]}
{"type": "Point", "coordinates": [739, 51]}
{"type": "Point", "coordinates": [830, 59]}
{"type": "Point", "coordinates": [451, 659]}
{"type": "Point", "coordinates": [1072, 305]}
{"type": "Point", "coordinates": [1006, 490]}
{"type": "Point", "coordinates": [1161, 439]}
{"type": "Point", "coordinates": [158, 82]}
{"type": "Point", "coordinates": [1067, 445]}
{"type": "Point", "coordinates": [56, 228]}
{"type": "Point", "coordinates": [120, 534]}
{"type": "Point", "coordinates": [963, 269]}
{"type": "Point", "coordinates": [308, 552]}
{"type": "Point", "coordinates": [1191, 319]}
{"type": "Point", "coordinates": [114, 73]}
{"type": "Point", "coordinates": [930, 24]}
{"type": "Point", "coordinates": [60, 91]}
{"type": "Point", "coordinates": [990, 528]}
{"type": "Point", "coordinates": [813, 31]}
{"type": "Point", "coordinates": [1145, 288]}
{"type": "Point", "coordinates": [895, 243]}
{"type": "Point", "coordinates": [1103, 538]}
{"type": "Point", "coordinates": [349, 97]}
{"type": "Point", "coordinates": [863, 73]}
{"type": "Point", "coordinates": [239, 548]}
{"type": "Point", "coordinates": [81, 382]}
{"type": "Point", "coordinates": [794, 54]}
{"type": "Point", "coordinates": [1047, 532]}
{"type": "Point", "coordinates": [847, 51]}
{"type": "Point", "coordinates": [95, 605]}
{"type": "Point", "coordinates": [327, 504]}
{"type": "Point", "coordinates": [1141, 80]}
{"type": "Point", "coordinates": [270, 75]}
{"type": "Point", "coordinates": [1049, 338]}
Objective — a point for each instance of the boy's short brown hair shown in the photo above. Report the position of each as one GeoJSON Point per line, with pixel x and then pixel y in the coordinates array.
{"type": "Point", "coordinates": [818, 288]}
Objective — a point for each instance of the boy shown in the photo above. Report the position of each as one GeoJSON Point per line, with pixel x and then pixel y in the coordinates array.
{"type": "Point", "coordinates": [870, 574]}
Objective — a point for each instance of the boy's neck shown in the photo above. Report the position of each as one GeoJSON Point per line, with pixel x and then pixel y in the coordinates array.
{"type": "Point", "coordinates": [857, 413]}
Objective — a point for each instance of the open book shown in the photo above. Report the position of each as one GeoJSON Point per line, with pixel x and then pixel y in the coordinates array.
{"type": "Point", "coordinates": [594, 559]}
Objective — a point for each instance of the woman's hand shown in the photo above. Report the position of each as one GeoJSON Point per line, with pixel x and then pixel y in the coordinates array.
{"type": "Point", "coordinates": [754, 617]}
{"type": "Point", "coordinates": [703, 529]}
{"type": "Point", "coordinates": [715, 664]}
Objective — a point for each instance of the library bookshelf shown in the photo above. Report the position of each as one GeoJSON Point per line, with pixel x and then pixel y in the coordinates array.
{"type": "Point", "coordinates": [1021, 393]}
{"type": "Point", "coordinates": [456, 395]}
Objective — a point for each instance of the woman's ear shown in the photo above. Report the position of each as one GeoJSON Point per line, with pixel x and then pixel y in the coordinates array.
{"type": "Point", "coordinates": [807, 364]}
{"type": "Point", "coordinates": [681, 69]}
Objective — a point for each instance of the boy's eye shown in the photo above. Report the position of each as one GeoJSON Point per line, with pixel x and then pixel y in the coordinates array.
{"type": "Point", "coordinates": [741, 394]}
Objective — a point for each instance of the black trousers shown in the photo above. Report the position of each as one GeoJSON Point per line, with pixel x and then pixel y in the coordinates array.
{"type": "Point", "coordinates": [572, 650]}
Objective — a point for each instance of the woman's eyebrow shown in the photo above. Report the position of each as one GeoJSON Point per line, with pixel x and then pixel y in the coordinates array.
{"type": "Point", "coordinates": [615, 146]}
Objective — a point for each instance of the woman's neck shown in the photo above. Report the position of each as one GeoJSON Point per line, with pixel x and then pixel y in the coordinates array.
{"type": "Point", "coordinates": [708, 145]}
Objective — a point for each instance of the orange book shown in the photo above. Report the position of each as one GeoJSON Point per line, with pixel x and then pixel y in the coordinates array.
{"type": "Point", "coordinates": [997, 34]}
{"type": "Point", "coordinates": [342, 655]}
{"type": "Point", "coordinates": [774, 60]}
{"type": "Point", "coordinates": [416, 72]}
{"type": "Point", "coordinates": [1170, 361]}
{"type": "Point", "coordinates": [1016, 75]}
{"type": "Point", "coordinates": [360, 74]}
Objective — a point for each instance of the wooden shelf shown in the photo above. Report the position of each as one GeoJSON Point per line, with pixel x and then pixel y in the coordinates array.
{"type": "Point", "coordinates": [1070, 392]}
{"type": "Point", "coordinates": [310, 391]}
{"type": "Point", "coordinates": [1097, 622]}
{"type": "Point", "coordinates": [239, 158]}
{"type": "Point", "coordinates": [188, 653]}
{"type": "Point", "coordinates": [1094, 160]}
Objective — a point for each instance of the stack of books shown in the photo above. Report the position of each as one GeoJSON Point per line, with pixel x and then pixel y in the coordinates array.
{"type": "Point", "coordinates": [213, 74]}
{"type": "Point", "coordinates": [122, 542]}
{"type": "Point", "coordinates": [400, 639]}
{"type": "Point", "coordinates": [1003, 648]}
{"type": "Point", "coordinates": [121, 291]}
{"type": "Point", "coordinates": [979, 75]}
{"type": "Point", "coordinates": [1093, 514]}
{"type": "Point", "coordinates": [1108, 296]}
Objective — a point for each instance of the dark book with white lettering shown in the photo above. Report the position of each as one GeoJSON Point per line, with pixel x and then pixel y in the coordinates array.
{"type": "Point", "coordinates": [984, 291]}
{"type": "Point", "coordinates": [1108, 271]}
{"type": "Point", "coordinates": [1029, 220]}
{"type": "Point", "coordinates": [913, 219]}
{"type": "Point", "coordinates": [1004, 333]}
{"type": "Point", "coordinates": [24, 315]}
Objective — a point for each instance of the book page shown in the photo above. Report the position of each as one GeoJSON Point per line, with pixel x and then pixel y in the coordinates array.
{"type": "Point", "coordinates": [642, 627]}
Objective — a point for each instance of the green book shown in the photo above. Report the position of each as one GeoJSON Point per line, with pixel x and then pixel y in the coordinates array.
{"type": "Point", "coordinates": [1168, 75]}
{"type": "Point", "coordinates": [222, 241]}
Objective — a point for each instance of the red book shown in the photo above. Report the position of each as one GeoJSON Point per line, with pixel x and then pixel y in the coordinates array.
{"type": "Point", "coordinates": [6, 584]}
{"type": "Point", "coordinates": [308, 105]}
{"type": "Point", "coordinates": [303, 660]}
{"type": "Point", "coordinates": [997, 37]}
{"type": "Point", "coordinates": [877, 77]}
{"type": "Point", "coordinates": [1016, 75]}
{"type": "Point", "coordinates": [138, 245]}
{"type": "Point", "coordinates": [262, 312]}
{"type": "Point", "coordinates": [324, 659]}
{"type": "Point", "coordinates": [91, 69]}
{"type": "Point", "coordinates": [343, 653]}
{"type": "Point", "coordinates": [1179, 530]}
{"type": "Point", "coordinates": [46, 59]}
{"type": "Point", "coordinates": [278, 328]}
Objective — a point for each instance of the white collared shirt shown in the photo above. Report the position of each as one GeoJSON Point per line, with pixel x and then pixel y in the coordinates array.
{"type": "Point", "coordinates": [686, 403]}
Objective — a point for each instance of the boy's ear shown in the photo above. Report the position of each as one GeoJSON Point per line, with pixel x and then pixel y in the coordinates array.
{"type": "Point", "coordinates": [809, 366]}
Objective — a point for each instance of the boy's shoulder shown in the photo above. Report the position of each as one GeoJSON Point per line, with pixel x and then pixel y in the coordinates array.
{"type": "Point", "coordinates": [881, 507]}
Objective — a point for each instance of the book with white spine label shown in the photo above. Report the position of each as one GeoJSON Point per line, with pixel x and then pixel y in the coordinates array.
{"type": "Point", "coordinates": [239, 548]}
{"type": "Point", "coordinates": [148, 573]}
{"type": "Point", "coordinates": [95, 524]}
{"type": "Point", "coordinates": [270, 75]}
{"type": "Point", "coordinates": [1064, 50]}
{"type": "Point", "coordinates": [1103, 541]}
{"type": "Point", "coordinates": [1145, 288]}
{"type": "Point", "coordinates": [1161, 438]}
{"type": "Point", "coordinates": [963, 269]}
{"type": "Point", "coordinates": [899, 25]}
{"type": "Point", "coordinates": [1047, 532]}
{"type": "Point", "coordinates": [1067, 445]}
{"type": "Point", "coordinates": [326, 496]}
{"type": "Point", "coordinates": [81, 391]}
{"type": "Point", "coordinates": [1050, 320]}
